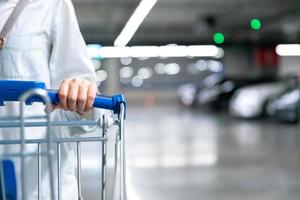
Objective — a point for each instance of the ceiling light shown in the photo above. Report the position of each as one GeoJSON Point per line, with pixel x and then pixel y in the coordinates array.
{"type": "Point", "coordinates": [144, 51]}
{"type": "Point", "coordinates": [203, 51]}
{"type": "Point", "coordinates": [288, 49]}
{"type": "Point", "coordinates": [162, 51]}
{"type": "Point", "coordinates": [114, 52]}
{"type": "Point", "coordinates": [134, 22]}
{"type": "Point", "coordinates": [173, 51]}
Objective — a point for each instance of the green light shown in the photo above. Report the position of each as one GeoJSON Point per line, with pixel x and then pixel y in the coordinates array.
{"type": "Point", "coordinates": [219, 38]}
{"type": "Point", "coordinates": [255, 24]}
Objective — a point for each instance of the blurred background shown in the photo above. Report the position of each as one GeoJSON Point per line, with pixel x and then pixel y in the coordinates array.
{"type": "Point", "coordinates": [213, 95]}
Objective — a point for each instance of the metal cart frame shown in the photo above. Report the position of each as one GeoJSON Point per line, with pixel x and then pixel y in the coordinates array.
{"type": "Point", "coordinates": [51, 143]}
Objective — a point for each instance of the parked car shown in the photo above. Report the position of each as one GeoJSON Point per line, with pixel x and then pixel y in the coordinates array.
{"type": "Point", "coordinates": [215, 90]}
{"type": "Point", "coordinates": [218, 95]}
{"type": "Point", "coordinates": [187, 93]}
{"type": "Point", "coordinates": [250, 101]}
{"type": "Point", "coordinates": [285, 107]}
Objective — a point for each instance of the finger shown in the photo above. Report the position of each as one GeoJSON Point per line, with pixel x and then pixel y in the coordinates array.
{"type": "Point", "coordinates": [73, 94]}
{"type": "Point", "coordinates": [58, 106]}
{"type": "Point", "coordinates": [63, 94]}
{"type": "Point", "coordinates": [82, 97]}
{"type": "Point", "coordinates": [49, 108]}
{"type": "Point", "coordinates": [91, 94]}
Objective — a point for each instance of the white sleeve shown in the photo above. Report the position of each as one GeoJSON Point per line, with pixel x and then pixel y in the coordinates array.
{"type": "Point", "coordinates": [69, 57]}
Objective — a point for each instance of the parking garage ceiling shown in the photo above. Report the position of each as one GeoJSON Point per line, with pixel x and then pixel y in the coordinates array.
{"type": "Point", "coordinates": [191, 21]}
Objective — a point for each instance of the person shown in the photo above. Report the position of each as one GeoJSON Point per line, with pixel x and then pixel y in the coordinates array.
{"type": "Point", "coordinates": [45, 44]}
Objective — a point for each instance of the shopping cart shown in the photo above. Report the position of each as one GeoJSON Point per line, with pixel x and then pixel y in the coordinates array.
{"type": "Point", "coordinates": [28, 92]}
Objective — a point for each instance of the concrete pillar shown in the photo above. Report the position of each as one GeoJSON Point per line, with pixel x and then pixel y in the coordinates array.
{"type": "Point", "coordinates": [238, 62]}
{"type": "Point", "coordinates": [289, 65]}
{"type": "Point", "coordinates": [112, 67]}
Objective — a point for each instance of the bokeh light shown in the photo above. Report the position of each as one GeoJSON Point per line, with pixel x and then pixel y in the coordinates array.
{"type": "Point", "coordinates": [137, 81]}
{"type": "Point", "coordinates": [255, 24]}
{"type": "Point", "coordinates": [172, 68]}
{"type": "Point", "coordinates": [159, 68]}
{"type": "Point", "coordinates": [102, 75]}
{"type": "Point", "coordinates": [219, 38]}
{"type": "Point", "coordinates": [126, 72]}
{"type": "Point", "coordinates": [145, 73]}
{"type": "Point", "coordinates": [97, 64]}
{"type": "Point", "coordinates": [126, 61]}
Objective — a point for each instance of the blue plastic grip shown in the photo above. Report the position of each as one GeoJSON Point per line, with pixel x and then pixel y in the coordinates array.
{"type": "Point", "coordinates": [105, 102]}
{"type": "Point", "coordinates": [11, 90]}
{"type": "Point", "coordinates": [10, 182]}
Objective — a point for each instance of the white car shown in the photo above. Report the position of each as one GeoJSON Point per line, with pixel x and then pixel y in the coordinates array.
{"type": "Point", "coordinates": [249, 102]}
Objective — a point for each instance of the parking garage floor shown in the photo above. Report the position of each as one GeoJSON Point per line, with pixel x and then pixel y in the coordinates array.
{"type": "Point", "coordinates": [175, 153]}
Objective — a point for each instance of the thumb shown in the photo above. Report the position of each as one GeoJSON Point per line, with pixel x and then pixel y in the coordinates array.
{"type": "Point", "coordinates": [50, 108]}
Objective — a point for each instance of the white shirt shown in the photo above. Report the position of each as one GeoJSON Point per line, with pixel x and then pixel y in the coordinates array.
{"type": "Point", "coordinates": [45, 45]}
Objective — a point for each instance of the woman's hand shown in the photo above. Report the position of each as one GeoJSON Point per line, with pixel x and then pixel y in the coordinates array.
{"type": "Point", "coordinates": [76, 95]}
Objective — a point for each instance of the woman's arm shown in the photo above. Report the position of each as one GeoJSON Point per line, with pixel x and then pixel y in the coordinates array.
{"type": "Point", "coordinates": [71, 69]}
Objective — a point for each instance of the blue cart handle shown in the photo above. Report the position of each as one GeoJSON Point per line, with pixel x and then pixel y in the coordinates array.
{"type": "Point", "coordinates": [11, 90]}
{"type": "Point", "coordinates": [105, 102]}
